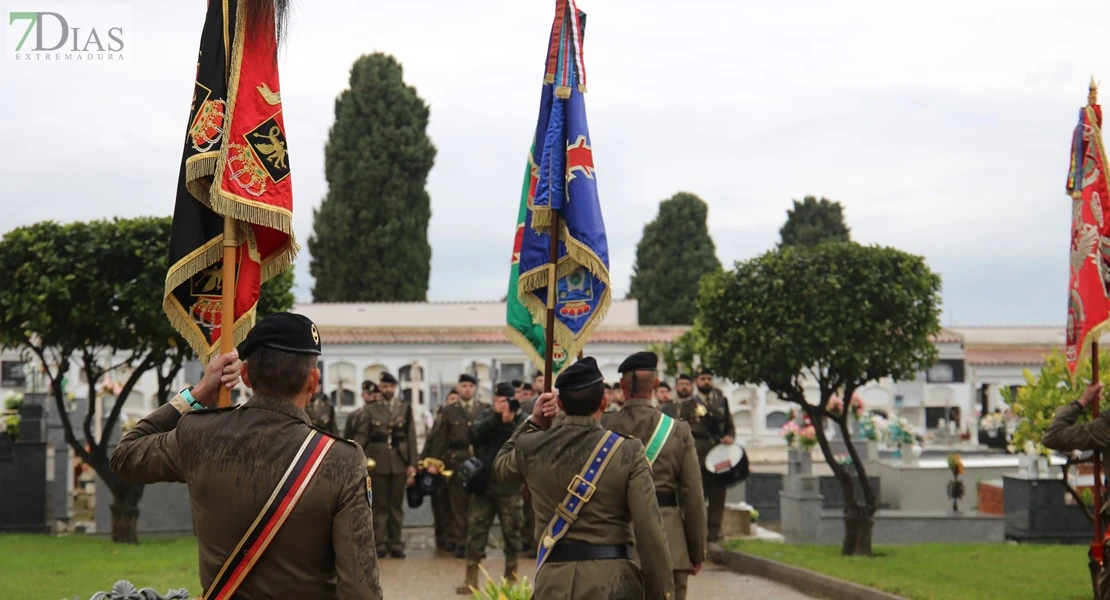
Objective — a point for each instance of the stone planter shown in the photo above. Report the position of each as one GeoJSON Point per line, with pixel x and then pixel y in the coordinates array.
{"type": "Point", "coordinates": [736, 522]}
{"type": "Point", "coordinates": [799, 462]}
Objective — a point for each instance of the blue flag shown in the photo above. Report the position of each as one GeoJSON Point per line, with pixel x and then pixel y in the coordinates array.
{"type": "Point", "coordinates": [565, 190]}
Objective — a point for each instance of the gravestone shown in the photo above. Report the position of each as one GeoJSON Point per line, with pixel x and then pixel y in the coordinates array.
{"type": "Point", "coordinates": [1036, 511]}
{"type": "Point", "coordinates": [23, 475]}
{"type": "Point", "coordinates": [800, 499]}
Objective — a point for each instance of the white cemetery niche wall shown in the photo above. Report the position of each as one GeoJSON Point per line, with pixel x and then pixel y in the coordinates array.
{"type": "Point", "coordinates": [742, 403]}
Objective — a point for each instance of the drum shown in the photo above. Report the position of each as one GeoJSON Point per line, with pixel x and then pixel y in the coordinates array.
{"type": "Point", "coordinates": [727, 463]}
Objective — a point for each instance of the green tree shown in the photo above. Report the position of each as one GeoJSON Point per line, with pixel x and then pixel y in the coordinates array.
{"type": "Point", "coordinates": [276, 294]}
{"type": "Point", "coordinates": [812, 222]}
{"type": "Point", "coordinates": [678, 355]}
{"type": "Point", "coordinates": [840, 315]}
{"type": "Point", "coordinates": [673, 254]}
{"type": "Point", "coordinates": [370, 234]}
{"type": "Point", "coordinates": [89, 296]}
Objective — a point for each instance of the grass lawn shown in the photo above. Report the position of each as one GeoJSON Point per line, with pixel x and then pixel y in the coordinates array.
{"type": "Point", "coordinates": [53, 568]}
{"type": "Point", "coordinates": [946, 571]}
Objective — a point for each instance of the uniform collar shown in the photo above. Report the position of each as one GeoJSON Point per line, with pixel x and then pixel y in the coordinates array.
{"type": "Point", "coordinates": [637, 402]}
{"type": "Point", "coordinates": [580, 421]}
{"type": "Point", "coordinates": [279, 406]}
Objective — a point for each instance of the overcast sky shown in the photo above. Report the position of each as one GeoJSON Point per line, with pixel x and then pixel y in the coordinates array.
{"type": "Point", "coordinates": [942, 127]}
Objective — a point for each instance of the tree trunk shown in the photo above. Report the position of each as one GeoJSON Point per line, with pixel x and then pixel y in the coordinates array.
{"type": "Point", "coordinates": [858, 524]}
{"type": "Point", "coordinates": [125, 513]}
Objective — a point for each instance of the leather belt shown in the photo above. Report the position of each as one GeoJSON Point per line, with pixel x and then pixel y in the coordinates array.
{"type": "Point", "coordinates": [565, 551]}
{"type": "Point", "coordinates": [666, 499]}
{"type": "Point", "coordinates": [700, 435]}
{"type": "Point", "coordinates": [458, 446]}
{"type": "Point", "coordinates": [379, 439]}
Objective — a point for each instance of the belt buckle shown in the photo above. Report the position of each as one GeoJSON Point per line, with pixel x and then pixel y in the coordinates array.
{"type": "Point", "coordinates": [572, 489]}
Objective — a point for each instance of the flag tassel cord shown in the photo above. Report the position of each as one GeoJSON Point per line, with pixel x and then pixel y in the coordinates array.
{"type": "Point", "coordinates": [227, 307]}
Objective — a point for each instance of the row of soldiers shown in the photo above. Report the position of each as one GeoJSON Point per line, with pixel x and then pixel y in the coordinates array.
{"type": "Point", "coordinates": [250, 468]}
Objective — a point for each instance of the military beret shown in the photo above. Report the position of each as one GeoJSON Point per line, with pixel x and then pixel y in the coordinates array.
{"type": "Point", "coordinates": [504, 389]}
{"type": "Point", "coordinates": [685, 376]}
{"type": "Point", "coordinates": [526, 387]}
{"type": "Point", "coordinates": [641, 361]}
{"type": "Point", "coordinates": [664, 385]}
{"type": "Point", "coordinates": [283, 331]}
{"type": "Point", "coordinates": [583, 373]}
{"type": "Point", "coordinates": [705, 371]}
{"type": "Point", "coordinates": [464, 378]}
{"type": "Point", "coordinates": [515, 383]}
{"type": "Point", "coordinates": [369, 386]}
{"type": "Point", "coordinates": [387, 378]}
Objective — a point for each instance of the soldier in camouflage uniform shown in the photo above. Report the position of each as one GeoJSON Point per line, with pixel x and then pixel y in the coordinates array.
{"type": "Point", "coordinates": [663, 398]}
{"type": "Point", "coordinates": [497, 499]}
{"type": "Point", "coordinates": [1065, 435]}
{"type": "Point", "coordinates": [449, 441]}
{"type": "Point", "coordinates": [711, 423]}
{"type": "Point", "coordinates": [440, 499]}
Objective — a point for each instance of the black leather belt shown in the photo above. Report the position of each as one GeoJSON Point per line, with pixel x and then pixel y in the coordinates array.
{"type": "Point", "coordinates": [575, 551]}
{"type": "Point", "coordinates": [666, 499]}
{"type": "Point", "coordinates": [379, 439]}
{"type": "Point", "coordinates": [458, 446]}
{"type": "Point", "coordinates": [699, 435]}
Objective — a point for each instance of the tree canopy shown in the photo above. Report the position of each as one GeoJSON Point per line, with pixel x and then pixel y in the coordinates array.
{"type": "Point", "coordinates": [370, 234]}
{"type": "Point", "coordinates": [673, 254]}
{"type": "Point", "coordinates": [840, 315]}
{"type": "Point", "coordinates": [812, 222]}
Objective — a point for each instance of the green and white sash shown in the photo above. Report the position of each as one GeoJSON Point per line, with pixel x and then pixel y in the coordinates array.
{"type": "Point", "coordinates": [659, 437]}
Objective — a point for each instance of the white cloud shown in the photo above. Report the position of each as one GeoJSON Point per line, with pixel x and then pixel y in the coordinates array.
{"type": "Point", "coordinates": [943, 128]}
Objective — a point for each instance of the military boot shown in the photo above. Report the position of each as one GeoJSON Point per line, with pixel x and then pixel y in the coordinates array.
{"type": "Point", "coordinates": [510, 572]}
{"type": "Point", "coordinates": [471, 580]}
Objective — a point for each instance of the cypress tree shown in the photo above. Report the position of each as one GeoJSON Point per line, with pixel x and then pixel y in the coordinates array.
{"type": "Point", "coordinates": [370, 234]}
{"type": "Point", "coordinates": [812, 222]}
{"type": "Point", "coordinates": [673, 254]}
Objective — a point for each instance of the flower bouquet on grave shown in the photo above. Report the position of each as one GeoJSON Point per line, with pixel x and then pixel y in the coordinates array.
{"type": "Point", "coordinates": [899, 433]}
{"type": "Point", "coordinates": [13, 401]}
{"type": "Point", "coordinates": [836, 406]}
{"type": "Point", "coordinates": [871, 427]}
{"type": "Point", "coordinates": [955, 486]}
{"type": "Point", "coordinates": [991, 424]}
{"type": "Point", "coordinates": [802, 436]}
{"type": "Point", "coordinates": [503, 590]}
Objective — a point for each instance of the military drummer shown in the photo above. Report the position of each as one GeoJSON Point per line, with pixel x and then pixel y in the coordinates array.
{"type": "Point", "coordinates": [240, 463]}
{"type": "Point", "coordinates": [590, 489]}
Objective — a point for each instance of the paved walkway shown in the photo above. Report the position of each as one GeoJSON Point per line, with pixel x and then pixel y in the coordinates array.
{"type": "Point", "coordinates": [434, 576]}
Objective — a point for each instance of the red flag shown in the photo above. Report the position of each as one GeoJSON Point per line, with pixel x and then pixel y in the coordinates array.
{"type": "Point", "coordinates": [235, 164]}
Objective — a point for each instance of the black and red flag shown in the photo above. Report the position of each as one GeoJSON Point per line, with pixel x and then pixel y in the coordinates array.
{"type": "Point", "coordinates": [236, 165]}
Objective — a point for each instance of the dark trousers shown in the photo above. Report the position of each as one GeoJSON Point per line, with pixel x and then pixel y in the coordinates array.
{"type": "Point", "coordinates": [715, 496]}
{"type": "Point", "coordinates": [439, 503]}
{"type": "Point", "coordinates": [389, 497]}
{"type": "Point", "coordinates": [458, 499]}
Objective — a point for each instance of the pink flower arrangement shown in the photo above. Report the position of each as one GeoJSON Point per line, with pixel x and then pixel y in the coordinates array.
{"type": "Point", "coordinates": [110, 387]}
{"type": "Point", "coordinates": [836, 406]}
{"type": "Point", "coordinates": [804, 436]}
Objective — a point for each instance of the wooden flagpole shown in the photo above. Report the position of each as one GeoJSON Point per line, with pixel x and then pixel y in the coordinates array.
{"type": "Point", "coordinates": [549, 336]}
{"type": "Point", "coordinates": [227, 307]}
{"type": "Point", "coordinates": [1096, 541]}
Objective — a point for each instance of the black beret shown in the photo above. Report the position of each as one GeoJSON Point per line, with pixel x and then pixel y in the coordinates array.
{"type": "Point", "coordinates": [505, 389]}
{"type": "Point", "coordinates": [705, 371]}
{"type": "Point", "coordinates": [464, 378]}
{"type": "Point", "coordinates": [685, 376]}
{"type": "Point", "coordinates": [516, 383]}
{"type": "Point", "coordinates": [369, 386]}
{"type": "Point", "coordinates": [583, 373]}
{"type": "Point", "coordinates": [387, 378]}
{"type": "Point", "coordinates": [664, 385]}
{"type": "Point", "coordinates": [641, 361]}
{"type": "Point", "coordinates": [283, 331]}
{"type": "Point", "coordinates": [526, 387]}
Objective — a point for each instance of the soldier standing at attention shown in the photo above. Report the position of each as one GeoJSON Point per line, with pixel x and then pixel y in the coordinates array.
{"type": "Point", "coordinates": [449, 441]}
{"type": "Point", "coordinates": [663, 398]}
{"type": "Point", "coordinates": [674, 463]}
{"type": "Point", "coordinates": [711, 423]}
{"type": "Point", "coordinates": [370, 394]}
{"type": "Point", "coordinates": [440, 501]}
{"type": "Point", "coordinates": [260, 465]}
{"type": "Point", "coordinates": [322, 414]}
{"type": "Point", "coordinates": [591, 488]}
{"type": "Point", "coordinates": [385, 430]}
{"type": "Point", "coordinates": [498, 499]}
{"type": "Point", "coordinates": [528, 521]}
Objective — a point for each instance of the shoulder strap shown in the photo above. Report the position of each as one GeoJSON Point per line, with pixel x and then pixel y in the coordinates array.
{"type": "Point", "coordinates": [579, 491]}
{"type": "Point", "coordinates": [271, 518]}
{"type": "Point", "coordinates": [659, 437]}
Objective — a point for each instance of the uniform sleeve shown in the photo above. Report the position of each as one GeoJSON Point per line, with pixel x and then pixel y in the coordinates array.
{"type": "Point", "coordinates": [352, 423]}
{"type": "Point", "coordinates": [352, 531]}
{"type": "Point", "coordinates": [410, 437]}
{"type": "Point", "coordinates": [482, 430]}
{"type": "Point", "coordinates": [1065, 435]}
{"type": "Point", "coordinates": [506, 468]}
{"type": "Point", "coordinates": [693, 500]}
{"type": "Point", "coordinates": [149, 452]}
{"type": "Point", "coordinates": [647, 522]}
{"type": "Point", "coordinates": [434, 444]}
